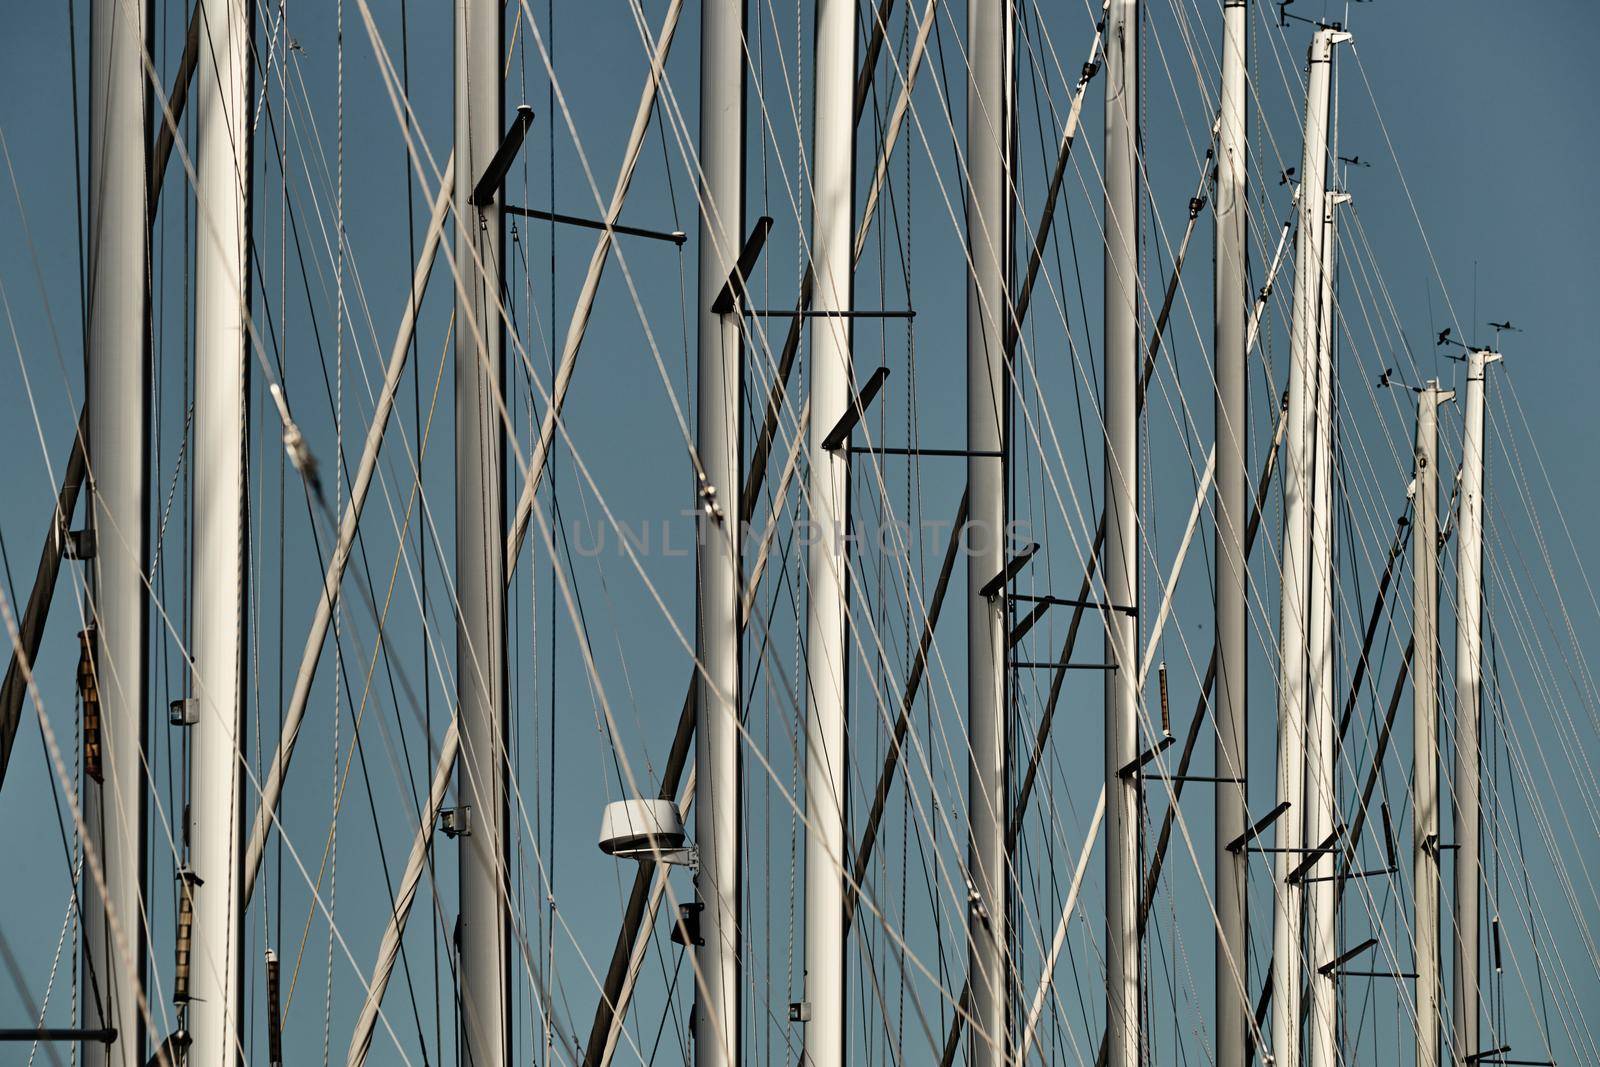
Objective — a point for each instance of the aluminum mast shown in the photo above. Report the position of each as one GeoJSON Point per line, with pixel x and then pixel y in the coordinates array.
{"type": "Point", "coordinates": [827, 601]}
{"type": "Point", "coordinates": [718, 407]}
{"type": "Point", "coordinates": [480, 542]}
{"type": "Point", "coordinates": [1295, 602]}
{"type": "Point", "coordinates": [1425, 726]}
{"type": "Point", "coordinates": [119, 467]}
{"type": "Point", "coordinates": [1321, 784]}
{"type": "Point", "coordinates": [988, 157]}
{"type": "Point", "coordinates": [1469, 687]}
{"type": "Point", "coordinates": [222, 176]}
{"type": "Point", "coordinates": [1230, 308]}
{"type": "Point", "coordinates": [1122, 362]}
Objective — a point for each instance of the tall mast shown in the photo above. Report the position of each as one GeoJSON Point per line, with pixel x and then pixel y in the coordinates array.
{"type": "Point", "coordinates": [222, 176]}
{"type": "Point", "coordinates": [480, 543]}
{"type": "Point", "coordinates": [1230, 306]}
{"type": "Point", "coordinates": [1122, 533]}
{"type": "Point", "coordinates": [1295, 603]}
{"type": "Point", "coordinates": [1469, 686]}
{"type": "Point", "coordinates": [118, 387]}
{"type": "Point", "coordinates": [827, 657]}
{"type": "Point", "coordinates": [1321, 781]}
{"type": "Point", "coordinates": [719, 402]}
{"type": "Point", "coordinates": [1425, 711]}
{"type": "Point", "coordinates": [1122, 361]}
{"type": "Point", "coordinates": [988, 156]}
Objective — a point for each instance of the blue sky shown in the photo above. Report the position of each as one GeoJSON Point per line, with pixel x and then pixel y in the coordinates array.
{"type": "Point", "coordinates": [1472, 208]}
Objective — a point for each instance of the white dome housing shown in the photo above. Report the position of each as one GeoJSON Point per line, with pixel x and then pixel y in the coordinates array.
{"type": "Point", "coordinates": [639, 829]}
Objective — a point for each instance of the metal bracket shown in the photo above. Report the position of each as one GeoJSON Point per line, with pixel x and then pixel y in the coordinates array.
{"type": "Point", "coordinates": [993, 587]}
{"type": "Point", "coordinates": [1028, 622]}
{"type": "Point", "coordinates": [494, 175]}
{"type": "Point", "coordinates": [1485, 1057]}
{"type": "Point", "coordinates": [1244, 839]}
{"type": "Point", "coordinates": [1072, 602]}
{"type": "Point", "coordinates": [733, 291]}
{"type": "Point", "coordinates": [800, 1011]}
{"type": "Point", "coordinates": [961, 453]}
{"type": "Point", "coordinates": [1052, 665]}
{"type": "Point", "coordinates": [776, 313]}
{"type": "Point", "coordinates": [677, 237]}
{"type": "Point", "coordinates": [1347, 876]}
{"type": "Point", "coordinates": [1433, 846]}
{"type": "Point", "coordinates": [1346, 956]}
{"type": "Point", "coordinates": [853, 414]}
{"type": "Point", "coordinates": [1131, 769]}
{"type": "Point", "coordinates": [1312, 855]}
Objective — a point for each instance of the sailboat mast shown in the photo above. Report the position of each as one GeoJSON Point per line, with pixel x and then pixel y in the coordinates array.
{"type": "Point", "coordinates": [1321, 780]}
{"type": "Point", "coordinates": [1469, 689]}
{"type": "Point", "coordinates": [222, 176]}
{"type": "Point", "coordinates": [719, 402]}
{"type": "Point", "coordinates": [1425, 725]}
{"type": "Point", "coordinates": [480, 542]}
{"type": "Point", "coordinates": [1295, 602]}
{"type": "Point", "coordinates": [1230, 309]}
{"type": "Point", "coordinates": [1122, 363]}
{"type": "Point", "coordinates": [827, 655]}
{"type": "Point", "coordinates": [118, 434]}
{"type": "Point", "coordinates": [988, 143]}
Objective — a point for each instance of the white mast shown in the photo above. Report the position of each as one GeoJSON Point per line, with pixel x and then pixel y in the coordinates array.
{"type": "Point", "coordinates": [1295, 602]}
{"type": "Point", "coordinates": [222, 175]}
{"type": "Point", "coordinates": [480, 543]}
{"type": "Point", "coordinates": [1122, 363]}
{"type": "Point", "coordinates": [1230, 308]}
{"type": "Point", "coordinates": [1321, 781]}
{"type": "Point", "coordinates": [1425, 711]}
{"type": "Point", "coordinates": [118, 387]}
{"type": "Point", "coordinates": [827, 602]}
{"type": "Point", "coordinates": [718, 407]}
{"type": "Point", "coordinates": [988, 158]}
{"type": "Point", "coordinates": [1469, 685]}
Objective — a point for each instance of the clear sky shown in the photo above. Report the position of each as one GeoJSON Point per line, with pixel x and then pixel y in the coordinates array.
{"type": "Point", "coordinates": [1476, 140]}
